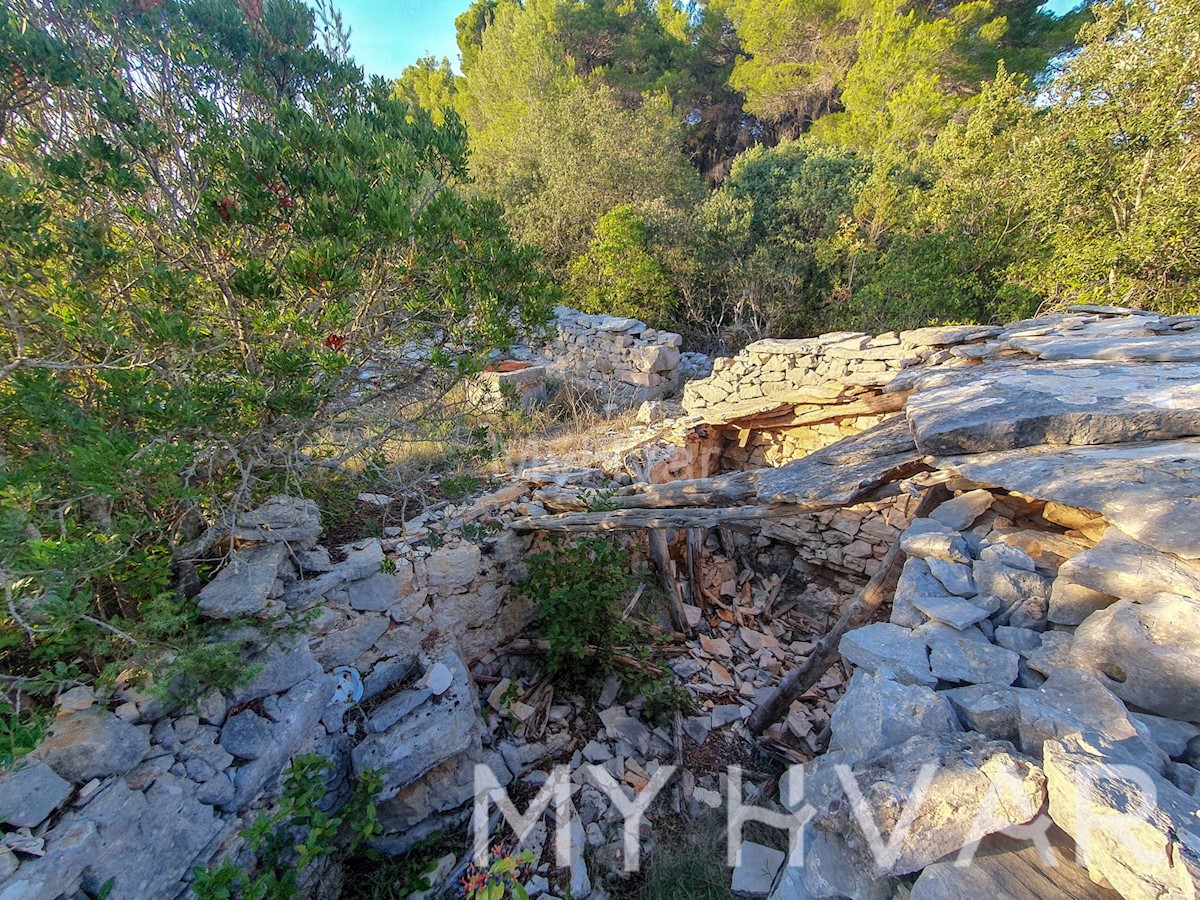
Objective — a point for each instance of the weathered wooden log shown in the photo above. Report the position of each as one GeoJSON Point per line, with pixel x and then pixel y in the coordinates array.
{"type": "Point", "coordinates": [724, 490]}
{"type": "Point", "coordinates": [660, 555]}
{"type": "Point", "coordinates": [636, 519]}
{"type": "Point", "coordinates": [857, 613]}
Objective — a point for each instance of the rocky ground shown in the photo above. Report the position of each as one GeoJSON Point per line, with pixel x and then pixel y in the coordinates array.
{"type": "Point", "coordinates": [1039, 646]}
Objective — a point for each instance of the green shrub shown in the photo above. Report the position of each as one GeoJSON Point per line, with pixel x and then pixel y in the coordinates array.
{"type": "Point", "coordinates": [20, 731]}
{"type": "Point", "coordinates": [297, 834]}
{"type": "Point", "coordinates": [578, 587]}
{"type": "Point", "coordinates": [216, 240]}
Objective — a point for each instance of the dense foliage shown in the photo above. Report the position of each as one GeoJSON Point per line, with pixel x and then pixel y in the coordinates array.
{"type": "Point", "coordinates": [217, 241]}
{"type": "Point", "coordinates": [870, 164]}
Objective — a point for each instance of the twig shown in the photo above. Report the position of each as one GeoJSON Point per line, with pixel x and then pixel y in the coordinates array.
{"type": "Point", "coordinates": [538, 646]}
{"type": "Point", "coordinates": [117, 631]}
{"type": "Point", "coordinates": [12, 609]}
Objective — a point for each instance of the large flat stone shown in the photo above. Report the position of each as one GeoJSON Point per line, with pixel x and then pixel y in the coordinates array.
{"type": "Point", "coordinates": [1151, 491]}
{"type": "Point", "coordinates": [977, 787]}
{"type": "Point", "coordinates": [452, 567]}
{"type": "Point", "coordinates": [92, 743]}
{"type": "Point", "coordinates": [1147, 653]}
{"type": "Point", "coordinates": [279, 667]}
{"type": "Point", "coordinates": [245, 583]}
{"type": "Point", "coordinates": [30, 792]}
{"type": "Point", "coordinates": [1004, 408]}
{"type": "Point", "coordinates": [877, 713]}
{"type": "Point", "coordinates": [1013, 870]}
{"type": "Point", "coordinates": [840, 473]}
{"type": "Point", "coordinates": [1072, 701]}
{"type": "Point", "coordinates": [145, 842]}
{"type": "Point", "coordinates": [1134, 828]}
{"type": "Point", "coordinates": [281, 518]}
{"type": "Point", "coordinates": [883, 648]}
{"type": "Point", "coordinates": [1071, 603]}
{"type": "Point", "coordinates": [1125, 568]}
{"type": "Point", "coordinates": [1124, 348]}
{"type": "Point", "coordinates": [989, 709]}
{"type": "Point", "coordinates": [952, 611]}
{"type": "Point", "coordinates": [967, 657]}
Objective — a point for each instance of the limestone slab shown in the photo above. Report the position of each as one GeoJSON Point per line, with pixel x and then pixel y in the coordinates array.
{"type": "Point", "coordinates": [1057, 403]}
{"type": "Point", "coordinates": [1149, 490]}
{"type": "Point", "coordinates": [244, 584]}
{"type": "Point", "coordinates": [877, 713]}
{"type": "Point", "coordinates": [951, 611]}
{"type": "Point", "coordinates": [92, 743]}
{"type": "Point", "coordinates": [1130, 570]}
{"type": "Point", "coordinates": [30, 792]}
{"type": "Point", "coordinates": [1147, 653]}
{"type": "Point", "coordinates": [960, 656]}
{"type": "Point", "coordinates": [976, 787]}
{"type": "Point", "coordinates": [1013, 870]}
{"type": "Point", "coordinates": [1126, 348]}
{"type": "Point", "coordinates": [1138, 833]}
{"type": "Point", "coordinates": [883, 647]}
{"type": "Point", "coordinates": [436, 730]}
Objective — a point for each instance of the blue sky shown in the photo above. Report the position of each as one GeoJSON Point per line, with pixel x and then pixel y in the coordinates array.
{"type": "Point", "coordinates": [387, 35]}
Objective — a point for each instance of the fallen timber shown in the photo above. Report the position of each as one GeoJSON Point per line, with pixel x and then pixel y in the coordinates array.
{"type": "Point", "coordinates": [854, 470]}
{"type": "Point", "coordinates": [877, 463]}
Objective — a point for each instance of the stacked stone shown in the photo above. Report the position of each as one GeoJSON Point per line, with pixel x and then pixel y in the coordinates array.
{"type": "Point", "coordinates": [845, 545]}
{"type": "Point", "coordinates": [772, 447]}
{"type": "Point", "coordinates": [1008, 651]}
{"type": "Point", "coordinates": [163, 790]}
{"type": "Point", "coordinates": [772, 367]}
{"type": "Point", "coordinates": [624, 360]}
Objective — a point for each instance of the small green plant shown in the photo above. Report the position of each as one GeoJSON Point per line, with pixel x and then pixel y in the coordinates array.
{"type": "Point", "coordinates": [374, 876]}
{"type": "Point", "coordinates": [388, 566]}
{"type": "Point", "coordinates": [500, 876]}
{"type": "Point", "coordinates": [20, 731]}
{"type": "Point", "coordinates": [597, 499]}
{"type": "Point", "coordinates": [663, 697]}
{"type": "Point", "coordinates": [578, 588]}
{"type": "Point", "coordinates": [297, 834]}
{"type": "Point", "coordinates": [455, 486]}
{"type": "Point", "coordinates": [477, 531]}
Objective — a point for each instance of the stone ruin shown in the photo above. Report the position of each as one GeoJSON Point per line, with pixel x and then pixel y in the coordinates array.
{"type": "Point", "coordinates": [1034, 633]}
{"type": "Point", "coordinates": [617, 361]}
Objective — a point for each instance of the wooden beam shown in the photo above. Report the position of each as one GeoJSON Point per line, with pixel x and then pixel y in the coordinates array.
{"type": "Point", "coordinates": [636, 519]}
{"type": "Point", "coordinates": [723, 490]}
{"type": "Point", "coordinates": [660, 555]}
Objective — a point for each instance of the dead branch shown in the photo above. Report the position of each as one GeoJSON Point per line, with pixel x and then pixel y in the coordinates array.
{"type": "Point", "coordinates": [539, 646]}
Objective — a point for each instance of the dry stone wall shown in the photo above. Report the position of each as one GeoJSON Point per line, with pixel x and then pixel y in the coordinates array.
{"type": "Point", "coordinates": [745, 393]}
{"type": "Point", "coordinates": [623, 360]}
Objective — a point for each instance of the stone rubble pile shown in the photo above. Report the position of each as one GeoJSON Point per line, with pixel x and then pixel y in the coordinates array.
{"type": "Point", "coordinates": [129, 789]}
{"type": "Point", "coordinates": [1038, 664]}
{"type": "Point", "coordinates": [987, 649]}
